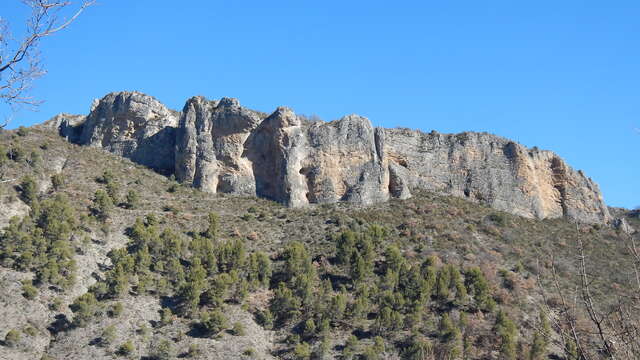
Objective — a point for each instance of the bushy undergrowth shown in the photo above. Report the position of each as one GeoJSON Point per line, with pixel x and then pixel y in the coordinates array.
{"type": "Point", "coordinates": [428, 277]}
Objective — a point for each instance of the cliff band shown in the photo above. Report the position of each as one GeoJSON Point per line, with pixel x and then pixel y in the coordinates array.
{"type": "Point", "coordinates": [220, 146]}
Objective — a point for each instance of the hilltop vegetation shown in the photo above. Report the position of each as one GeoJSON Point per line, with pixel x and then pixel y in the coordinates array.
{"type": "Point", "coordinates": [113, 260]}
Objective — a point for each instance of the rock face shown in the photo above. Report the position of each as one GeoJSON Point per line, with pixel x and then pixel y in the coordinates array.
{"type": "Point", "coordinates": [210, 145]}
{"type": "Point", "coordinates": [622, 225]}
{"type": "Point", "coordinates": [68, 126]}
{"type": "Point", "coordinates": [493, 170]}
{"type": "Point", "coordinates": [276, 150]}
{"type": "Point", "coordinates": [133, 125]}
{"type": "Point", "coordinates": [220, 146]}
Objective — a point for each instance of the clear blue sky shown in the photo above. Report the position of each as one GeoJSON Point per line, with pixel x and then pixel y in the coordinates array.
{"type": "Point", "coordinates": [560, 75]}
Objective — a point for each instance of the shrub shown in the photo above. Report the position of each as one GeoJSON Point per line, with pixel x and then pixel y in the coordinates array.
{"type": "Point", "coordinates": [540, 343]}
{"type": "Point", "coordinates": [57, 181]}
{"type": "Point", "coordinates": [84, 308]}
{"type": "Point", "coordinates": [112, 190]}
{"type": "Point", "coordinates": [108, 336]}
{"type": "Point", "coordinates": [212, 228]}
{"type": "Point", "coordinates": [22, 131]}
{"type": "Point", "coordinates": [151, 219]}
{"type": "Point", "coordinates": [309, 328]}
{"type": "Point", "coordinates": [162, 351]}
{"type": "Point", "coordinates": [370, 353]}
{"type": "Point", "coordinates": [419, 349]}
{"type": "Point", "coordinates": [166, 316]}
{"type": "Point", "coordinates": [3, 154]}
{"type": "Point", "coordinates": [12, 338]}
{"type": "Point", "coordinates": [30, 330]}
{"type": "Point", "coordinates": [350, 347]}
{"type": "Point", "coordinates": [116, 310]}
{"type": "Point", "coordinates": [143, 329]}
{"type": "Point", "coordinates": [35, 159]}
{"type": "Point", "coordinates": [102, 205]}
{"type": "Point", "coordinates": [498, 219]}
{"type": "Point", "coordinates": [194, 351]}
{"type": "Point", "coordinates": [508, 333]}
{"type": "Point", "coordinates": [251, 352]}
{"type": "Point", "coordinates": [56, 304]}
{"type": "Point", "coordinates": [378, 345]}
{"type": "Point", "coordinates": [16, 153]}
{"type": "Point", "coordinates": [302, 351]}
{"type": "Point", "coordinates": [213, 322]}
{"type": "Point", "coordinates": [29, 190]}
{"type": "Point", "coordinates": [106, 177]}
{"type": "Point", "coordinates": [259, 268]}
{"type": "Point", "coordinates": [132, 199]}
{"type": "Point", "coordinates": [29, 291]}
{"type": "Point", "coordinates": [238, 329]}
{"type": "Point", "coordinates": [126, 348]}
{"type": "Point", "coordinates": [285, 304]}
{"type": "Point", "coordinates": [265, 318]}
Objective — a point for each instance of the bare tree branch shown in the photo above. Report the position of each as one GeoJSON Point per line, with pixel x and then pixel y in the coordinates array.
{"type": "Point", "coordinates": [594, 315]}
{"type": "Point", "coordinates": [20, 62]}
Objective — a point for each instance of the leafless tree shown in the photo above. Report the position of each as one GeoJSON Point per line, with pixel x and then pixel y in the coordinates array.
{"type": "Point", "coordinates": [597, 330]}
{"type": "Point", "coordinates": [20, 61]}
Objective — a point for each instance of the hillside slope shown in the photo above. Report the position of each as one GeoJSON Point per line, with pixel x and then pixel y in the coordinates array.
{"type": "Point", "coordinates": [107, 258]}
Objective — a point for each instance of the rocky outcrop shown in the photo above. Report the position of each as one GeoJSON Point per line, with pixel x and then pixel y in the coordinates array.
{"type": "Point", "coordinates": [220, 146]}
{"type": "Point", "coordinates": [68, 126]}
{"type": "Point", "coordinates": [10, 208]}
{"type": "Point", "coordinates": [345, 162]}
{"type": "Point", "coordinates": [210, 146]}
{"type": "Point", "coordinates": [276, 150]}
{"type": "Point", "coordinates": [623, 225]}
{"type": "Point", "coordinates": [495, 171]}
{"type": "Point", "coordinates": [133, 125]}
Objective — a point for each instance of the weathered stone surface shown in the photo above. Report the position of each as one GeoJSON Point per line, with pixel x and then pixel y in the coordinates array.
{"type": "Point", "coordinates": [134, 125]}
{"type": "Point", "coordinates": [496, 171]}
{"type": "Point", "coordinates": [220, 146]}
{"type": "Point", "coordinates": [68, 126]}
{"type": "Point", "coordinates": [276, 150]}
{"type": "Point", "coordinates": [343, 163]}
{"type": "Point", "coordinates": [622, 225]}
{"type": "Point", "coordinates": [298, 163]}
{"type": "Point", "coordinates": [210, 143]}
{"type": "Point", "coordinates": [10, 208]}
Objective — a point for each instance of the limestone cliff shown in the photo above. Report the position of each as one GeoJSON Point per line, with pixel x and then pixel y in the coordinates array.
{"type": "Point", "coordinates": [133, 125]}
{"type": "Point", "coordinates": [210, 144]}
{"type": "Point", "coordinates": [220, 146]}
